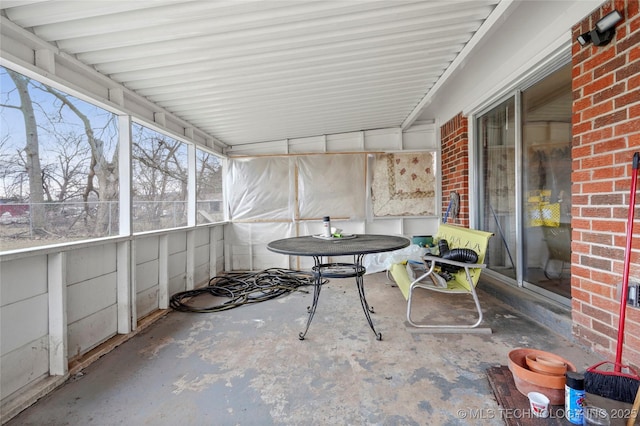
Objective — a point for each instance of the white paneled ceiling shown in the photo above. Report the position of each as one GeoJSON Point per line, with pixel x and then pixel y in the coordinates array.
{"type": "Point", "coordinates": [251, 71]}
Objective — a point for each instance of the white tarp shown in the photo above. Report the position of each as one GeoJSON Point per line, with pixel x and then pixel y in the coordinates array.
{"type": "Point", "coordinates": [260, 188]}
{"type": "Point", "coordinates": [332, 185]}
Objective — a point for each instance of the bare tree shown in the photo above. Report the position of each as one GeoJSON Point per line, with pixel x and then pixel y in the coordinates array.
{"type": "Point", "coordinates": [31, 150]}
{"type": "Point", "coordinates": [209, 186]}
{"type": "Point", "coordinates": [101, 169]}
{"type": "Point", "coordinates": [12, 173]}
{"type": "Point", "coordinates": [208, 175]}
{"type": "Point", "coordinates": [68, 170]}
{"type": "Point", "coordinates": [160, 176]}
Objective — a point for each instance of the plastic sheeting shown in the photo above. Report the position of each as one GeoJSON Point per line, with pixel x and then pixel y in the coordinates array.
{"type": "Point", "coordinates": [257, 233]}
{"type": "Point", "coordinates": [332, 185]}
{"type": "Point", "coordinates": [266, 203]}
{"type": "Point", "coordinates": [260, 188]}
{"type": "Point", "coordinates": [263, 188]}
{"type": "Point", "coordinates": [247, 245]}
{"type": "Point", "coordinates": [378, 262]}
{"type": "Point", "coordinates": [275, 197]}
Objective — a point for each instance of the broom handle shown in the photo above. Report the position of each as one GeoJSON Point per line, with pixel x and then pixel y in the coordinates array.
{"type": "Point", "coordinates": [627, 261]}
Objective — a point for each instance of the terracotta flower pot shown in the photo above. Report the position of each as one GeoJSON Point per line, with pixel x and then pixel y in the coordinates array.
{"type": "Point", "coordinates": [544, 365]}
{"type": "Point", "coordinates": [530, 381]}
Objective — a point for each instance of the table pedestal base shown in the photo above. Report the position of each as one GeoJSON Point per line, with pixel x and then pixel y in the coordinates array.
{"type": "Point", "coordinates": [339, 270]}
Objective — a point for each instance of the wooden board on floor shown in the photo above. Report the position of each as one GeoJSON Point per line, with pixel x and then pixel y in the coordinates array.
{"type": "Point", "coordinates": [514, 406]}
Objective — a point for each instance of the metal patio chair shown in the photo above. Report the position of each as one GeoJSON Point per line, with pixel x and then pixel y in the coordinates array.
{"type": "Point", "coordinates": [460, 283]}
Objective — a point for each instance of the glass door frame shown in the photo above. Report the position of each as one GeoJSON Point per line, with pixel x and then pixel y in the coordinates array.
{"type": "Point", "coordinates": [476, 186]}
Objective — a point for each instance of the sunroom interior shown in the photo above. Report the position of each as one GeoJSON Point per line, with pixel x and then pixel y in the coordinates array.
{"type": "Point", "coordinates": [149, 146]}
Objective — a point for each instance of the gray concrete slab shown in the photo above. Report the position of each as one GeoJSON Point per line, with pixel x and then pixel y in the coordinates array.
{"type": "Point", "coordinates": [246, 366]}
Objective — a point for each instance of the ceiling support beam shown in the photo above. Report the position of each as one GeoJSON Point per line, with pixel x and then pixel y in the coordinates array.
{"type": "Point", "coordinates": [501, 10]}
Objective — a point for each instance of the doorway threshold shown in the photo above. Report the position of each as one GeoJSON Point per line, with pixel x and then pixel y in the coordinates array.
{"type": "Point", "coordinates": [548, 313]}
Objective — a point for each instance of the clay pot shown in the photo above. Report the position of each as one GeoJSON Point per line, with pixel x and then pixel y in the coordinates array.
{"type": "Point", "coordinates": [527, 380]}
{"type": "Point", "coordinates": [545, 365]}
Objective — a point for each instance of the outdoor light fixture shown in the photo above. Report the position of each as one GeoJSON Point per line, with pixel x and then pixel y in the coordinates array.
{"type": "Point", "coordinates": [604, 31]}
{"type": "Point", "coordinates": [584, 38]}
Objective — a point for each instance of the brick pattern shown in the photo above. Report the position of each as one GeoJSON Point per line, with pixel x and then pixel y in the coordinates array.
{"type": "Point", "coordinates": [606, 133]}
{"type": "Point", "coordinates": [454, 139]}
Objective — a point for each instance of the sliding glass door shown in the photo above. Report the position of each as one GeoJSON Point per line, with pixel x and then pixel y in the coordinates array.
{"type": "Point", "coordinates": [497, 138]}
{"type": "Point", "coordinates": [524, 150]}
{"type": "Point", "coordinates": [546, 183]}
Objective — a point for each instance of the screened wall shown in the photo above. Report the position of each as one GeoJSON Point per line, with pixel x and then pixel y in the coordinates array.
{"type": "Point", "coordinates": [66, 165]}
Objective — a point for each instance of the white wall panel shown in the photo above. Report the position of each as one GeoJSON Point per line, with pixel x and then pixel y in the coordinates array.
{"type": "Point", "coordinates": [176, 284]}
{"type": "Point", "coordinates": [314, 144]}
{"type": "Point", "coordinates": [201, 265]}
{"type": "Point", "coordinates": [420, 226]}
{"type": "Point", "coordinates": [146, 301]}
{"type": "Point", "coordinates": [383, 140]}
{"type": "Point", "coordinates": [345, 142]}
{"type": "Point", "coordinates": [90, 331]}
{"type": "Point", "coordinates": [220, 244]}
{"type": "Point", "coordinates": [24, 365]}
{"type": "Point", "coordinates": [201, 255]}
{"type": "Point", "coordinates": [201, 236]}
{"type": "Point", "coordinates": [220, 264]}
{"type": "Point", "coordinates": [146, 249]}
{"type": "Point", "coordinates": [91, 298]}
{"type": "Point", "coordinates": [177, 272]}
{"type": "Point", "coordinates": [278, 147]}
{"type": "Point", "coordinates": [180, 261]}
{"type": "Point", "coordinates": [423, 137]}
{"type": "Point", "coordinates": [265, 259]}
{"type": "Point", "coordinates": [392, 226]}
{"type": "Point", "coordinates": [388, 139]}
{"type": "Point", "coordinates": [240, 257]}
{"type": "Point", "coordinates": [146, 275]}
{"type": "Point", "coordinates": [201, 276]}
{"type": "Point", "coordinates": [22, 278]}
{"type": "Point", "coordinates": [177, 242]}
{"type": "Point", "coordinates": [87, 297]}
{"type": "Point", "coordinates": [23, 322]}
{"type": "Point", "coordinates": [90, 262]}
{"type": "Point", "coordinates": [177, 265]}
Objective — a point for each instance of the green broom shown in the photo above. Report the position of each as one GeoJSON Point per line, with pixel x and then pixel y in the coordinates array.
{"type": "Point", "coordinates": [616, 380]}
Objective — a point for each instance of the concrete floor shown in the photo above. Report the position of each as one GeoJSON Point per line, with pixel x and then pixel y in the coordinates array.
{"type": "Point", "coordinates": [246, 366]}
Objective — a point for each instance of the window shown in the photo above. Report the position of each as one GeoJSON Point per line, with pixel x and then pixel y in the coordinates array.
{"type": "Point", "coordinates": [60, 177]}
{"type": "Point", "coordinates": [159, 180]}
{"type": "Point", "coordinates": [58, 166]}
{"type": "Point", "coordinates": [208, 187]}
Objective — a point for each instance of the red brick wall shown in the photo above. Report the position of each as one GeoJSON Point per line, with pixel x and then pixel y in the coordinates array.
{"type": "Point", "coordinates": [455, 166]}
{"type": "Point", "coordinates": [606, 132]}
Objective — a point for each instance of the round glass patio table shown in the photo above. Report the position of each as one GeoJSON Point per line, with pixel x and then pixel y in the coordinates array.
{"type": "Point", "coordinates": [357, 245]}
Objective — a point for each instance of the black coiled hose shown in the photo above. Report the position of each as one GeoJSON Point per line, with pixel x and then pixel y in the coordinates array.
{"type": "Point", "coordinates": [461, 255]}
{"type": "Point", "coordinates": [240, 288]}
{"type": "Point", "coordinates": [458, 254]}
